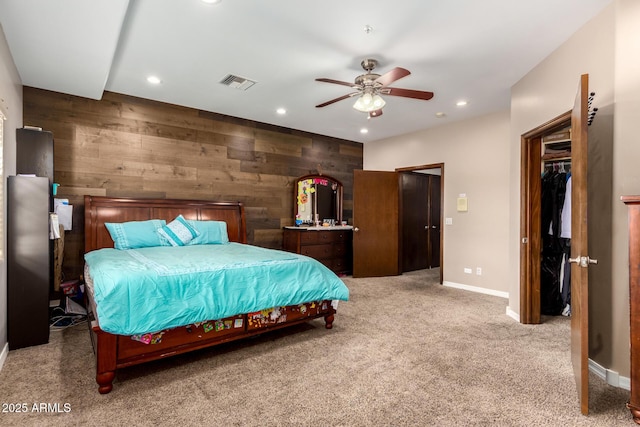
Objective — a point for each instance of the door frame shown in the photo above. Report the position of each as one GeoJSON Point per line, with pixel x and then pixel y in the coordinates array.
{"type": "Point", "coordinates": [441, 167]}
{"type": "Point", "coordinates": [530, 221]}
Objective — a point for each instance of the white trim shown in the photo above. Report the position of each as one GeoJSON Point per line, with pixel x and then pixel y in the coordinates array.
{"type": "Point", "coordinates": [515, 316]}
{"type": "Point", "coordinates": [477, 289]}
{"type": "Point", "coordinates": [611, 377]}
{"type": "Point", "coordinates": [4, 354]}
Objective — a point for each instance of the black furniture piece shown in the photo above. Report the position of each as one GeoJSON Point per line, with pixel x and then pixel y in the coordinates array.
{"type": "Point", "coordinates": [29, 249]}
{"type": "Point", "coordinates": [34, 155]}
{"type": "Point", "coordinates": [28, 261]}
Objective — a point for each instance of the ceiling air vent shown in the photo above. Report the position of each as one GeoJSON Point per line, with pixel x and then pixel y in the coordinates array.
{"type": "Point", "coordinates": [237, 82]}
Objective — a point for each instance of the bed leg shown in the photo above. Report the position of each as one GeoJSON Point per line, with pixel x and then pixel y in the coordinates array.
{"type": "Point", "coordinates": [106, 349]}
{"type": "Point", "coordinates": [105, 381]}
{"type": "Point", "coordinates": [328, 320]}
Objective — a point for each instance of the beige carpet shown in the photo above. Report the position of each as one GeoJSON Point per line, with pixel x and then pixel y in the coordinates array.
{"type": "Point", "coordinates": [430, 356]}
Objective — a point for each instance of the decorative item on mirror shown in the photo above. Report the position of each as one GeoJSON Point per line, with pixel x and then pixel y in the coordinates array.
{"type": "Point", "coordinates": [317, 197]}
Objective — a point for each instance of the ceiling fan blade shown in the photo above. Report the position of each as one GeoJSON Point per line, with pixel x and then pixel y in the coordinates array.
{"type": "Point", "coordinates": [324, 104]}
{"type": "Point", "coordinates": [393, 75]}
{"type": "Point", "coordinates": [375, 113]}
{"type": "Point", "coordinates": [338, 82]}
{"type": "Point", "coordinates": [408, 93]}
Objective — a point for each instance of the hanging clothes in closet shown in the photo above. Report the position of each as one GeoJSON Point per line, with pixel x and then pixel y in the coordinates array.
{"type": "Point", "coordinates": [555, 270]}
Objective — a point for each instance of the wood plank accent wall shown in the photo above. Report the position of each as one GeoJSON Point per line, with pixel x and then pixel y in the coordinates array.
{"type": "Point", "coordinates": [122, 146]}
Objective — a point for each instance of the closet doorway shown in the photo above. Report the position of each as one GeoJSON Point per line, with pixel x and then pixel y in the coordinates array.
{"type": "Point", "coordinates": [531, 231]}
{"type": "Point", "coordinates": [421, 217]}
{"type": "Point", "coordinates": [533, 168]}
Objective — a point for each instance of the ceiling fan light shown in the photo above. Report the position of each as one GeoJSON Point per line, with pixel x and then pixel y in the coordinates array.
{"type": "Point", "coordinates": [359, 105]}
{"type": "Point", "coordinates": [378, 102]}
{"type": "Point", "coordinates": [367, 103]}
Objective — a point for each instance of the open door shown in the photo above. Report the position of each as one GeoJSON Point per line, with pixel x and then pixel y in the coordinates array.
{"type": "Point", "coordinates": [376, 224]}
{"type": "Point", "coordinates": [579, 245]}
{"type": "Point", "coordinates": [530, 233]}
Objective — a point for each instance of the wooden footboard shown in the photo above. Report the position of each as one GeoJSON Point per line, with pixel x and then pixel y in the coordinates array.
{"type": "Point", "coordinates": [119, 351]}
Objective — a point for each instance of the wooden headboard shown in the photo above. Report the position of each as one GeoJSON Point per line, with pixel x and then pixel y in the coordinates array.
{"type": "Point", "coordinates": [98, 210]}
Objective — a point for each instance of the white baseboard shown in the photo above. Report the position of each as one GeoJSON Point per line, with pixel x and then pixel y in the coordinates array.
{"type": "Point", "coordinates": [477, 289]}
{"type": "Point", "coordinates": [611, 377]}
{"type": "Point", "coordinates": [515, 316]}
{"type": "Point", "coordinates": [4, 354]}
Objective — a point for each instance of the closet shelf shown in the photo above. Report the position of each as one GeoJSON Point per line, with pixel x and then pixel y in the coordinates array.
{"type": "Point", "coordinates": [557, 156]}
{"type": "Point", "coordinates": [558, 141]}
{"type": "Point", "coordinates": [562, 135]}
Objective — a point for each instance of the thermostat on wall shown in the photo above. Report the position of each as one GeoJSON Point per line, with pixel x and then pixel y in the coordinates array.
{"type": "Point", "coordinates": [462, 204]}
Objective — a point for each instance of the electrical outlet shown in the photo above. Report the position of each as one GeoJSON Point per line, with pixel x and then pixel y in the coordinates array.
{"type": "Point", "coordinates": [467, 270]}
{"type": "Point", "coordinates": [479, 271]}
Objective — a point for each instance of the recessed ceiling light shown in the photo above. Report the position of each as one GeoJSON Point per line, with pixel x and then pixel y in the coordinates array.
{"type": "Point", "coordinates": [154, 80]}
{"type": "Point", "coordinates": [461, 103]}
{"type": "Point", "coordinates": [364, 130]}
{"type": "Point", "coordinates": [212, 1]}
{"type": "Point", "coordinates": [440, 114]}
{"type": "Point", "coordinates": [281, 111]}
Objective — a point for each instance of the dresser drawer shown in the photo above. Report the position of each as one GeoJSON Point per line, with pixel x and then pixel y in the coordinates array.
{"type": "Point", "coordinates": [318, 251]}
{"type": "Point", "coordinates": [309, 238]}
{"type": "Point", "coordinates": [318, 237]}
{"type": "Point", "coordinates": [331, 247]}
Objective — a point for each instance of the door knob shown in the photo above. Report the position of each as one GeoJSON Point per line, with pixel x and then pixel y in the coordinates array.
{"type": "Point", "coordinates": [426, 227]}
{"type": "Point", "coordinates": [583, 261]}
{"type": "Point", "coordinates": [356, 229]}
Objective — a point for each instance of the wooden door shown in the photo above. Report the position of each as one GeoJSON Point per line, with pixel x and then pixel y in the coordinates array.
{"type": "Point", "coordinates": [376, 249]}
{"type": "Point", "coordinates": [531, 234]}
{"type": "Point", "coordinates": [579, 245]}
{"type": "Point", "coordinates": [415, 221]}
{"type": "Point", "coordinates": [434, 221]}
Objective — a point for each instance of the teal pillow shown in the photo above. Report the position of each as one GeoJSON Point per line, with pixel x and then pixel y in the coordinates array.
{"type": "Point", "coordinates": [211, 232]}
{"type": "Point", "coordinates": [135, 234]}
{"type": "Point", "coordinates": [178, 232]}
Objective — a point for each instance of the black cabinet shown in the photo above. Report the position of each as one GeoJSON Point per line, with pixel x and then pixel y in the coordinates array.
{"type": "Point", "coordinates": [34, 154]}
{"type": "Point", "coordinates": [28, 261]}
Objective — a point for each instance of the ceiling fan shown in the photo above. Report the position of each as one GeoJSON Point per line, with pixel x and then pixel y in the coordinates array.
{"type": "Point", "coordinates": [370, 86]}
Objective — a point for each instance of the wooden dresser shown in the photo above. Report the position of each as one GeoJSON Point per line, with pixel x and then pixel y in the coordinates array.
{"type": "Point", "coordinates": [332, 247]}
{"type": "Point", "coordinates": [633, 204]}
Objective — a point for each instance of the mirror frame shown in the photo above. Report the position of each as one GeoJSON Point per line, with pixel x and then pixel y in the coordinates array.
{"type": "Point", "coordinates": [339, 195]}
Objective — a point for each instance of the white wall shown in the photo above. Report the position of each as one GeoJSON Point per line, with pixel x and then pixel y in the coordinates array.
{"type": "Point", "coordinates": [549, 90]}
{"type": "Point", "coordinates": [626, 157]}
{"type": "Point", "coordinates": [475, 154]}
{"type": "Point", "coordinates": [482, 159]}
{"type": "Point", "coordinates": [11, 106]}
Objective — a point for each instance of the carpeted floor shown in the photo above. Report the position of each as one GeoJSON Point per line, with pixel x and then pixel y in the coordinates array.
{"type": "Point", "coordinates": [404, 351]}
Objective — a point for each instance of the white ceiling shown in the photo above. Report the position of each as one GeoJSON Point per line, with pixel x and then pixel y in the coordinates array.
{"type": "Point", "coordinates": [458, 49]}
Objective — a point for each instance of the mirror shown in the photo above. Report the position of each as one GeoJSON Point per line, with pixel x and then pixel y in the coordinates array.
{"type": "Point", "coordinates": [317, 198]}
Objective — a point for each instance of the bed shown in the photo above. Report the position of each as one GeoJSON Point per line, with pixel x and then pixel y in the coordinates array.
{"type": "Point", "coordinates": [149, 302]}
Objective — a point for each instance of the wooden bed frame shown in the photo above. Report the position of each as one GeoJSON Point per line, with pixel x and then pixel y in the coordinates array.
{"type": "Point", "coordinates": [119, 351]}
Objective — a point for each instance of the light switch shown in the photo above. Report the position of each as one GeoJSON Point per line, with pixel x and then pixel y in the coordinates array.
{"type": "Point", "coordinates": [448, 221]}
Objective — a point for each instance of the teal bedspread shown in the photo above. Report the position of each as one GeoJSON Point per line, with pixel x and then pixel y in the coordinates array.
{"type": "Point", "coordinates": [150, 289]}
